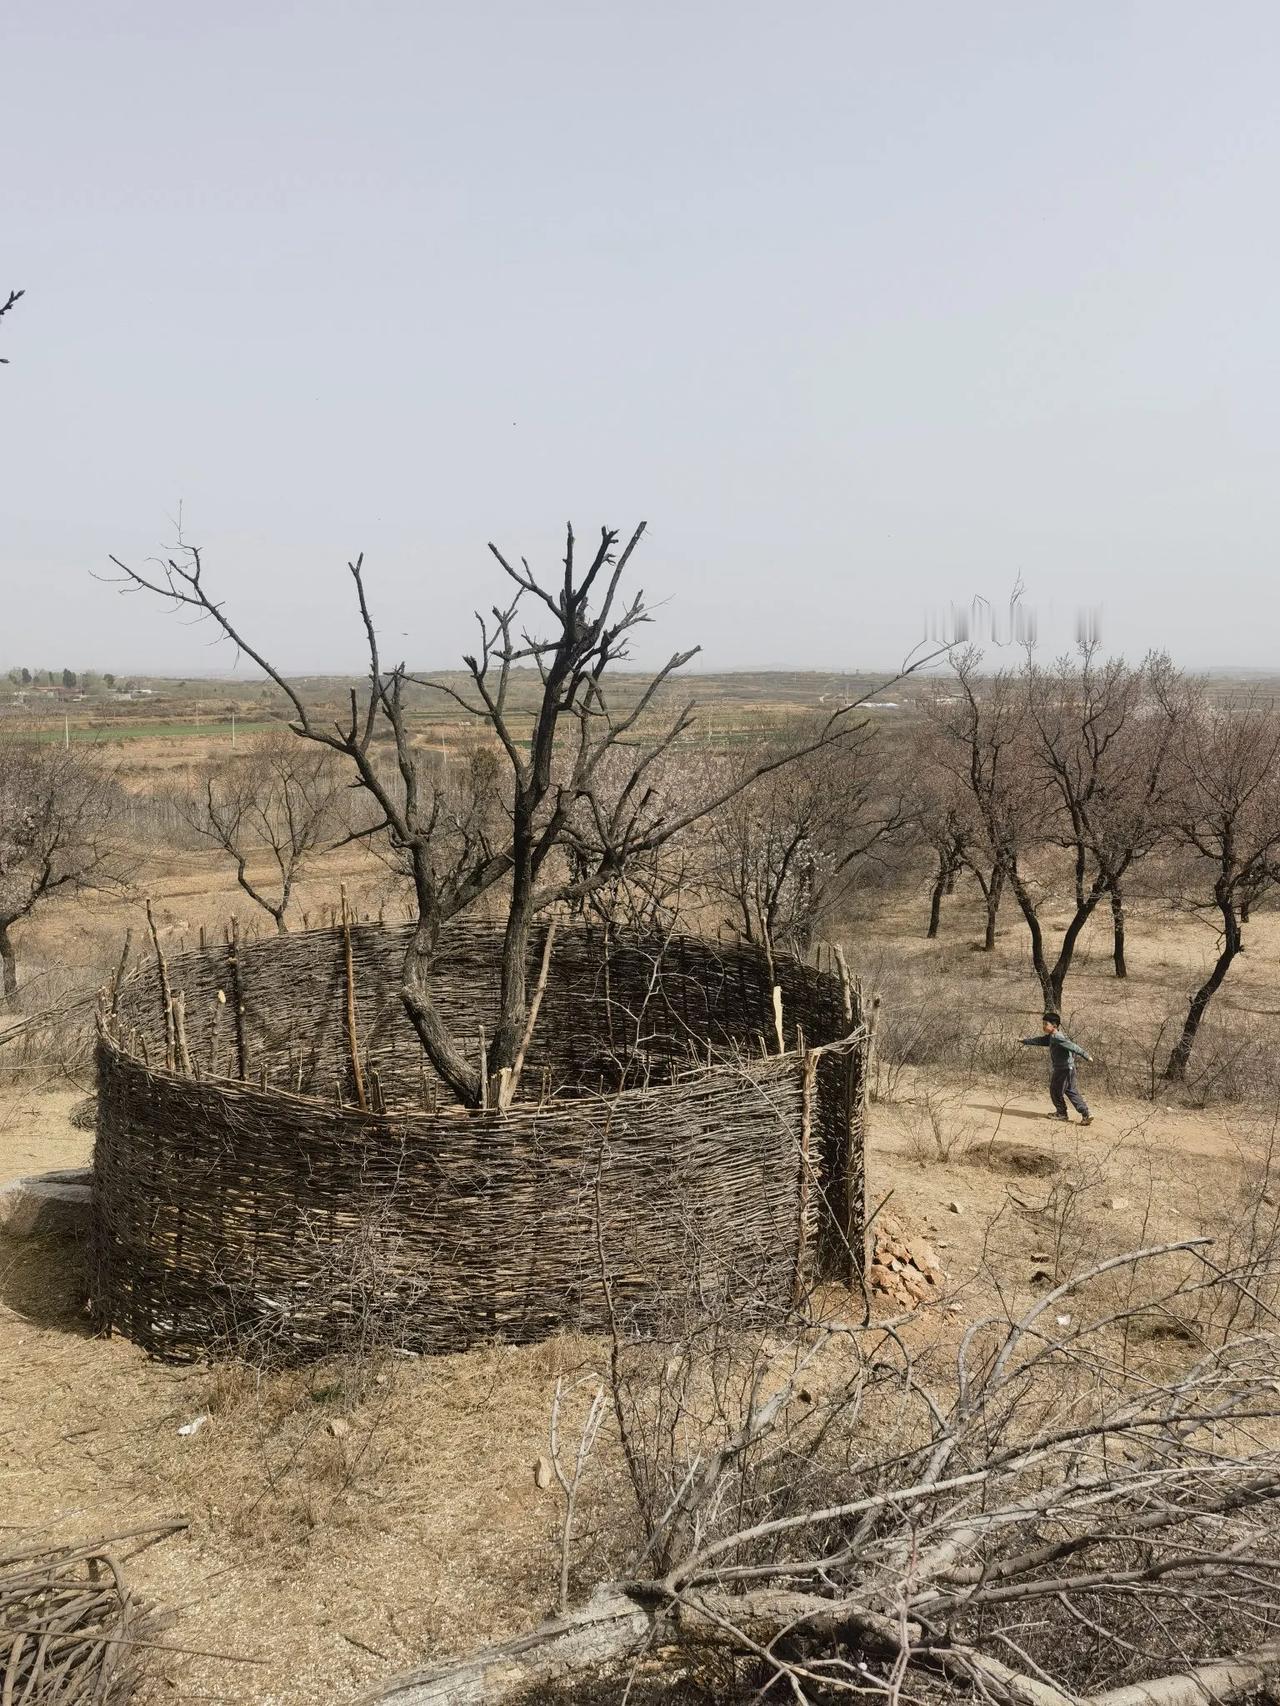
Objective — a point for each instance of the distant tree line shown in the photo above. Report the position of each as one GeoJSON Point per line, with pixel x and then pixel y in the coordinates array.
{"type": "Point", "coordinates": [87, 680]}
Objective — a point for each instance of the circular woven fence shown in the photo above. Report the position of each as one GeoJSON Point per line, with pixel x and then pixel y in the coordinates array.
{"type": "Point", "coordinates": [664, 1146]}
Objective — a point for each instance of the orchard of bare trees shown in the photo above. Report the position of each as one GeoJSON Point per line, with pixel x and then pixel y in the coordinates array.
{"type": "Point", "coordinates": [1060, 787]}
{"type": "Point", "coordinates": [1046, 797]}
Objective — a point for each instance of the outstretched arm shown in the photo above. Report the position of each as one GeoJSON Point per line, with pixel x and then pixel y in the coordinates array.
{"type": "Point", "coordinates": [1036, 1042]}
{"type": "Point", "coordinates": [1072, 1048]}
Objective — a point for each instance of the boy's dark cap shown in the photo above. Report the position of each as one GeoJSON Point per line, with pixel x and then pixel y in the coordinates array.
{"type": "Point", "coordinates": [1052, 1019]}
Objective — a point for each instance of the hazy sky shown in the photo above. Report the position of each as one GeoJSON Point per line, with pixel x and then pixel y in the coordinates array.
{"type": "Point", "coordinates": [865, 307]}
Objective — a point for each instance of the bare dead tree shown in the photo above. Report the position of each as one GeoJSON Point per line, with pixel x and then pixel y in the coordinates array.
{"type": "Point", "coordinates": [13, 297]}
{"type": "Point", "coordinates": [979, 737]}
{"type": "Point", "coordinates": [1102, 737]}
{"type": "Point", "coordinates": [941, 813]}
{"type": "Point", "coordinates": [1253, 892]}
{"type": "Point", "coordinates": [787, 852]}
{"type": "Point", "coordinates": [1077, 758]}
{"type": "Point", "coordinates": [278, 801]}
{"type": "Point", "coordinates": [58, 823]}
{"type": "Point", "coordinates": [1226, 815]}
{"type": "Point", "coordinates": [1071, 1520]}
{"type": "Point", "coordinates": [652, 892]}
{"type": "Point", "coordinates": [1134, 821]}
{"type": "Point", "coordinates": [559, 800]}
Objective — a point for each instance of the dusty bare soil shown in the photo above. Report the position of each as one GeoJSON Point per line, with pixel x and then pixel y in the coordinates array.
{"type": "Point", "coordinates": [338, 1535]}
{"type": "Point", "coordinates": [344, 1523]}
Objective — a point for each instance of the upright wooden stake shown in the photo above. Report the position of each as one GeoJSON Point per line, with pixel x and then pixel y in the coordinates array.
{"type": "Point", "coordinates": [857, 1093]}
{"type": "Point", "coordinates": [846, 987]}
{"type": "Point", "coordinates": [808, 1073]}
{"type": "Point", "coordinates": [183, 1053]}
{"type": "Point", "coordinates": [357, 1075]}
{"type": "Point", "coordinates": [777, 1018]}
{"type": "Point", "coordinates": [118, 979]}
{"type": "Point", "coordinates": [166, 993]}
{"type": "Point", "coordinates": [237, 995]}
{"type": "Point", "coordinates": [510, 1076]}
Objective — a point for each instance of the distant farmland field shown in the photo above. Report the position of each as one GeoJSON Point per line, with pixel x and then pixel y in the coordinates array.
{"type": "Point", "coordinates": [127, 729]}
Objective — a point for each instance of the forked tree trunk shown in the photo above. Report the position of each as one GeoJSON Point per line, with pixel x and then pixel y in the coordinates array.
{"type": "Point", "coordinates": [1023, 896]}
{"type": "Point", "coordinates": [461, 1074]}
{"type": "Point", "coordinates": [1070, 937]}
{"type": "Point", "coordinates": [943, 884]}
{"type": "Point", "coordinates": [479, 1071]}
{"type": "Point", "coordinates": [1052, 978]}
{"type": "Point", "coordinates": [992, 891]}
{"type": "Point", "coordinates": [275, 909]}
{"type": "Point", "coordinates": [1176, 1070]}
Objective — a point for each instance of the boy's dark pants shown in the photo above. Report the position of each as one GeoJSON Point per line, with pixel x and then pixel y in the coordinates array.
{"type": "Point", "coordinates": [1062, 1089]}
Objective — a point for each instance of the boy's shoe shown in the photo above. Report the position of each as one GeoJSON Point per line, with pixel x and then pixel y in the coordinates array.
{"type": "Point", "coordinates": [1062, 1117]}
{"type": "Point", "coordinates": [1086, 1119]}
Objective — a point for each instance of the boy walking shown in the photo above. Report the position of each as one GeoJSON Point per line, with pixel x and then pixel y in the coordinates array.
{"type": "Point", "coordinates": [1062, 1068]}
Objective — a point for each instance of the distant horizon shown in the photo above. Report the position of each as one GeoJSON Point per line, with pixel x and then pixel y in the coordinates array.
{"type": "Point", "coordinates": [885, 674]}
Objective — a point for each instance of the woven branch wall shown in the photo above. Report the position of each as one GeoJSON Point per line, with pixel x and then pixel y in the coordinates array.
{"type": "Point", "coordinates": [242, 1200]}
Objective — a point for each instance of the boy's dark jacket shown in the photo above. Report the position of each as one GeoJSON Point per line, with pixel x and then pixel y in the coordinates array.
{"type": "Point", "coordinates": [1060, 1047]}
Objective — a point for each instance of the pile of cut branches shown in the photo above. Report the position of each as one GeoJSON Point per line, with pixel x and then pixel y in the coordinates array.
{"type": "Point", "coordinates": [71, 1630]}
{"type": "Point", "coordinates": [1075, 1515]}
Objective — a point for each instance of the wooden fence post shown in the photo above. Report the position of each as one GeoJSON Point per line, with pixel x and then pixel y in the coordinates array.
{"type": "Point", "coordinates": [166, 992]}
{"type": "Point", "coordinates": [808, 1077]}
{"type": "Point", "coordinates": [237, 995]}
{"type": "Point", "coordinates": [857, 1085]}
{"type": "Point", "coordinates": [357, 1075]}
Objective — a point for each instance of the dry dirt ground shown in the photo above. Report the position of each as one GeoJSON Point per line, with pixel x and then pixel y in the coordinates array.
{"type": "Point", "coordinates": [344, 1525]}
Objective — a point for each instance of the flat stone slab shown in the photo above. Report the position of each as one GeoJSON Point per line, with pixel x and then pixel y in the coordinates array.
{"type": "Point", "coordinates": [47, 1205]}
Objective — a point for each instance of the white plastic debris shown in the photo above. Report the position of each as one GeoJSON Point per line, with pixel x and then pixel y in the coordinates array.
{"type": "Point", "coordinates": [193, 1426]}
{"type": "Point", "coordinates": [1064, 1320]}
